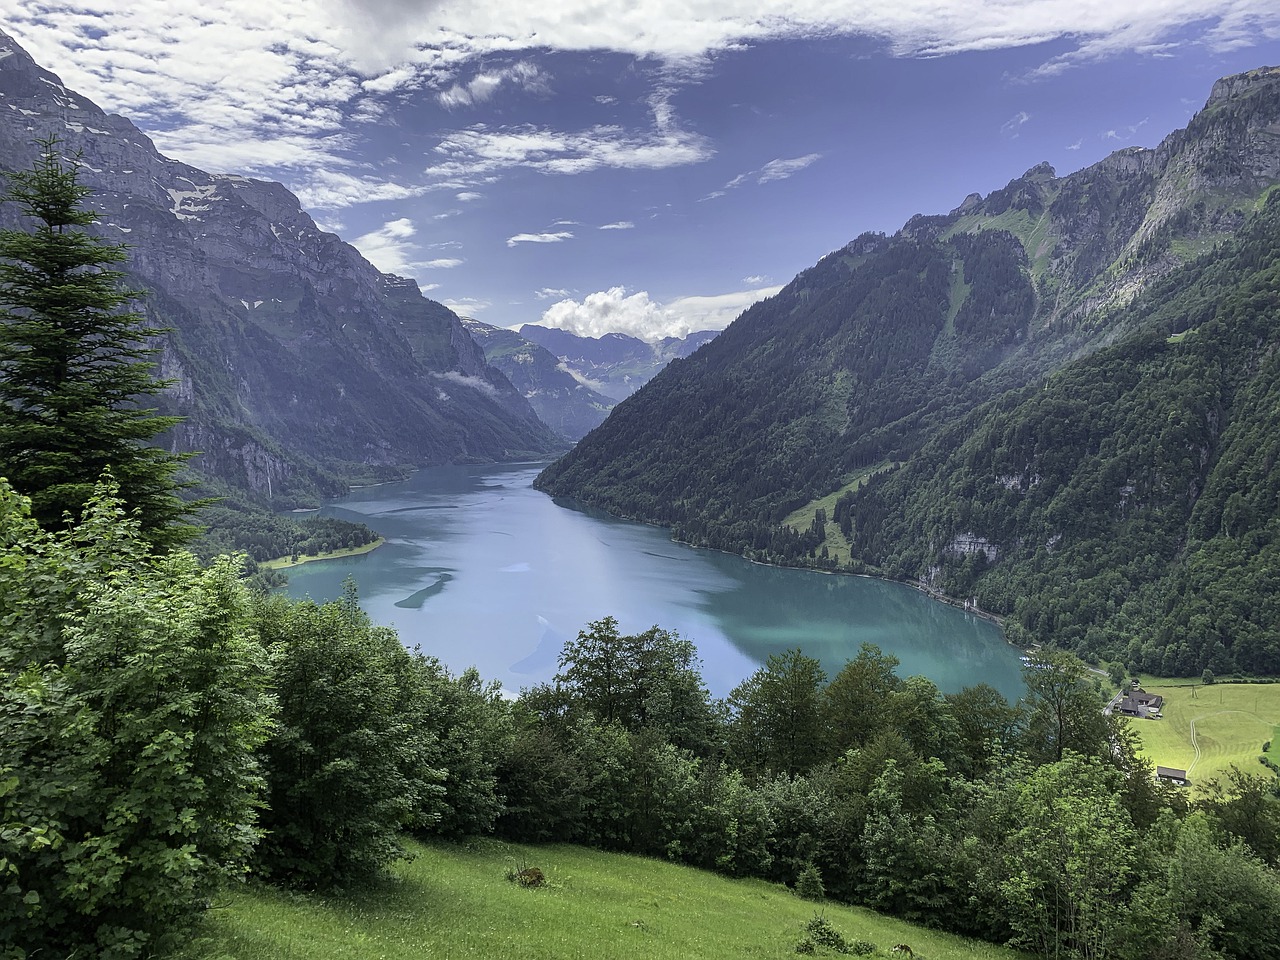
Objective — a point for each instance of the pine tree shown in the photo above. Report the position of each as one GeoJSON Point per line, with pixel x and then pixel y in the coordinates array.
{"type": "Point", "coordinates": [74, 362]}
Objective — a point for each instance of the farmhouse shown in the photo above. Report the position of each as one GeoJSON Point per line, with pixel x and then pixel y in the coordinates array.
{"type": "Point", "coordinates": [1173, 775]}
{"type": "Point", "coordinates": [1139, 703]}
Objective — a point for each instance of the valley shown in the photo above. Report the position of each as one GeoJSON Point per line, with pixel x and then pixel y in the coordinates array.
{"type": "Point", "coordinates": [606, 634]}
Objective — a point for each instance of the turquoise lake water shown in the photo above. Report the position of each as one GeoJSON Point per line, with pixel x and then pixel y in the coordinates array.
{"type": "Point", "coordinates": [480, 569]}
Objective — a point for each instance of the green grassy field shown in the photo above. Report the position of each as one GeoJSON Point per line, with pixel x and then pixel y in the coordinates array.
{"type": "Point", "coordinates": [801, 519]}
{"type": "Point", "coordinates": [283, 563]}
{"type": "Point", "coordinates": [452, 902]}
{"type": "Point", "coordinates": [1231, 722]}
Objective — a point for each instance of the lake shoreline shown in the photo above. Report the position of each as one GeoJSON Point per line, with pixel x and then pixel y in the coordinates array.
{"type": "Point", "coordinates": [286, 563]}
{"type": "Point", "coordinates": [528, 570]}
{"type": "Point", "coordinates": [932, 594]}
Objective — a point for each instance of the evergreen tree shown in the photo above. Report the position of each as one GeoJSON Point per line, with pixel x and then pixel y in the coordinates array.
{"type": "Point", "coordinates": [73, 363]}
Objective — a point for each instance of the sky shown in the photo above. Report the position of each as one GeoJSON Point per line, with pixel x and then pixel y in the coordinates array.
{"type": "Point", "coordinates": [648, 167]}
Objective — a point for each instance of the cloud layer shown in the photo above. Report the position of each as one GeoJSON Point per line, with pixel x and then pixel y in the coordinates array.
{"type": "Point", "coordinates": [253, 87]}
{"type": "Point", "coordinates": [635, 314]}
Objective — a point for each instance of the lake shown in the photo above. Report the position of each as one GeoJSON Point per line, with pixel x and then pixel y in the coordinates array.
{"type": "Point", "coordinates": [480, 569]}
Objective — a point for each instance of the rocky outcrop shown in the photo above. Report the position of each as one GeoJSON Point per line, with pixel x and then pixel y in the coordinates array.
{"type": "Point", "coordinates": [1097, 237]}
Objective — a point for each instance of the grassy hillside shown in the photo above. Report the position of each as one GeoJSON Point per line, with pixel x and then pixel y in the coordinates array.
{"type": "Point", "coordinates": [1232, 722]}
{"type": "Point", "coordinates": [453, 901]}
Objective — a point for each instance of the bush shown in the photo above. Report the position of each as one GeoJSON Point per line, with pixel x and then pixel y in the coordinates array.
{"type": "Point", "coordinates": [347, 766]}
{"type": "Point", "coordinates": [820, 931]}
{"type": "Point", "coordinates": [809, 883]}
{"type": "Point", "coordinates": [527, 877]}
{"type": "Point", "coordinates": [132, 702]}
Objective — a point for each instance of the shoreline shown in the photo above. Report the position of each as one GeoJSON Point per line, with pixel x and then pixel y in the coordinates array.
{"type": "Point", "coordinates": [285, 563]}
{"type": "Point", "coordinates": [940, 597]}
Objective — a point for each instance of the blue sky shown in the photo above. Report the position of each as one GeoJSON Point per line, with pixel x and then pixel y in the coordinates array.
{"type": "Point", "coordinates": [650, 166]}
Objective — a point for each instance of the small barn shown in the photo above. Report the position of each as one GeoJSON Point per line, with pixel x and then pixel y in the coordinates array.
{"type": "Point", "coordinates": [1173, 775]}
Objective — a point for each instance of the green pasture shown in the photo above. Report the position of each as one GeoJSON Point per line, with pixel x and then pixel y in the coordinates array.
{"type": "Point", "coordinates": [802, 518]}
{"type": "Point", "coordinates": [454, 902]}
{"type": "Point", "coordinates": [283, 563]}
{"type": "Point", "coordinates": [1231, 722]}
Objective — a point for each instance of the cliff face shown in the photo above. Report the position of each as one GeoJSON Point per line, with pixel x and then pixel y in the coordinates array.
{"type": "Point", "coordinates": [1097, 237]}
{"type": "Point", "coordinates": [295, 360]}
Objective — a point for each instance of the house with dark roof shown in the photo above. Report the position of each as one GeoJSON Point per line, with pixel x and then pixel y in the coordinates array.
{"type": "Point", "coordinates": [1173, 775]}
{"type": "Point", "coordinates": [1139, 703]}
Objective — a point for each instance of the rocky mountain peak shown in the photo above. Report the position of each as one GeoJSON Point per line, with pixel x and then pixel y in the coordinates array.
{"type": "Point", "coordinates": [1242, 84]}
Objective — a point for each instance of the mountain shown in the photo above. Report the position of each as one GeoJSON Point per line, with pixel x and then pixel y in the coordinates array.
{"type": "Point", "coordinates": [297, 364]}
{"type": "Point", "coordinates": [876, 365]}
{"type": "Point", "coordinates": [1129, 505]}
{"type": "Point", "coordinates": [569, 407]}
{"type": "Point", "coordinates": [615, 364]}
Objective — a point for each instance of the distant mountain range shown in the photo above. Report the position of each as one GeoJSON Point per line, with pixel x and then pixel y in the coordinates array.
{"type": "Point", "coordinates": [1051, 400]}
{"type": "Point", "coordinates": [615, 364]}
{"type": "Point", "coordinates": [297, 364]}
{"type": "Point", "coordinates": [573, 382]}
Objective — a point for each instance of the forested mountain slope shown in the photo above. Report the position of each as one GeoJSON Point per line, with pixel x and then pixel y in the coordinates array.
{"type": "Point", "coordinates": [885, 345]}
{"type": "Point", "coordinates": [1128, 506]}
{"type": "Point", "coordinates": [297, 363]}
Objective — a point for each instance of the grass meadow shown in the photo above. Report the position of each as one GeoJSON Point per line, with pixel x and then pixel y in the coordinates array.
{"type": "Point", "coordinates": [456, 901]}
{"type": "Point", "coordinates": [284, 563]}
{"type": "Point", "coordinates": [1231, 722]}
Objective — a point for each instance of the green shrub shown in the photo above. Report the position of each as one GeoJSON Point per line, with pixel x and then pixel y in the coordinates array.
{"type": "Point", "coordinates": [132, 701]}
{"type": "Point", "coordinates": [809, 884]}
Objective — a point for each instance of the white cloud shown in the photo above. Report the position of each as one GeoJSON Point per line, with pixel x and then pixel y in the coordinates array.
{"type": "Point", "coordinates": [333, 189]}
{"type": "Point", "coordinates": [1011, 125]}
{"type": "Point", "coordinates": [1127, 133]}
{"type": "Point", "coordinates": [468, 195]}
{"type": "Point", "coordinates": [467, 306]}
{"type": "Point", "coordinates": [619, 225]}
{"type": "Point", "coordinates": [755, 281]}
{"type": "Point", "coordinates": [552, 293]}
{"type": "Point", "coordinates": [475, 383]}
{"type": "Point", "coordinates": [1077, 145]}
{"type": "Point", "coordinates": [773, 170]}
{"type": "Point", "coordinates": [401, 76]}
{"type": "Point", "coordinates": [482, 149]}
{"type": "Point", "coordinates": [635, 314]}
{"type": "Point", "coordinates": [483, 86]}
{"type": "Point", "coordinates": [289, 89]}
{"type": "Point", "coordinates": [559, 237]}
{"type": "Point", "coordinates": [782, 169]}
{"type": "Point", "coordinates": [718, 311]}
{"type": "Point", "coordinates": [391, 248]}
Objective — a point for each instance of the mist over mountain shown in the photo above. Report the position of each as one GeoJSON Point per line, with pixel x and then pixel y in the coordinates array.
{"type": "Point", "coordinates": [297, 364]}
{"type": "Point", "coordinates": [555, 391]}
